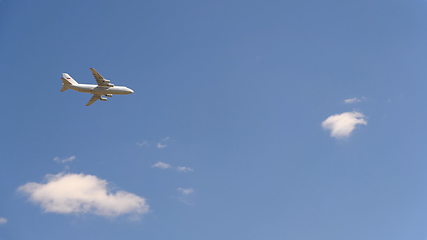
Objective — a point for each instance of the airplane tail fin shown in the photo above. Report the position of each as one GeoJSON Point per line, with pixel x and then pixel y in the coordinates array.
{"type": "Point", "coordinates": [67, 81]}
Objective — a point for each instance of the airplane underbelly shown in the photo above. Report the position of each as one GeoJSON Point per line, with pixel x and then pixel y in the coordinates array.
{"type": "Point", "coordinates": [104, 91]}
{"type": "Point", "coordinates": [116, 92]}
{"type": "Point", "coordinates": [100, 91]}
{"type": "Point", "coordinates": [82, 89]}
{"type": "Point", "coordinates": [113, 91]}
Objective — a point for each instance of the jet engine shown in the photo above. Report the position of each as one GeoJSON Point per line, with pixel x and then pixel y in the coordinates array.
{"type": "Point", "coordinates": [103, 99]}
{"type": "Point", "coordinates": [107, 82]}
{"type": "Point", "coordinates": [108, 95]}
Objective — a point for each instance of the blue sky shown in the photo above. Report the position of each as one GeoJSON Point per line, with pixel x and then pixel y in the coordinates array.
{"type": "Point", "coordinates": [239, 93]}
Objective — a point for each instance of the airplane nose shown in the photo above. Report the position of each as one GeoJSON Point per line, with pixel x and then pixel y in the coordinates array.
{"type": "Point", "coordinates": [131, 91]}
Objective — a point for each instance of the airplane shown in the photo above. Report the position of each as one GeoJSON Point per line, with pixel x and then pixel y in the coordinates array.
{"type": "Point", "coordinates": [104, 88]}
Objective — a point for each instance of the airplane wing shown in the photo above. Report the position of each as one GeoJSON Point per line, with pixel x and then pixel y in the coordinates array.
{"type": "Point", "coordinates": [93, 99]}
{"type": "Point", "coordinates": [100, 79]}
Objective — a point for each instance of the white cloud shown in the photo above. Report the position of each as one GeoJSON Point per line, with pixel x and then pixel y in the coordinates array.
{"type": "Point", "coordinates": [163, 143]}
{"type": "Point", "coordinates": [143, 144]}
{"type": "Point", "coordinates": [3, 220]}
{"type": "Point", "coordinates": [161, 165]}
{"type": "Point", "coordinates": [185, 191]}
{"type": "Point", "coordinates": [80, 194]}
{"type": "Point", "coordinates": [64, 160]}
{"type": "Point", "coordinates": [342, 125]}
{"type": "Point", "coordinates": [184, 169]}
{"type": "Point", "coordinates": [352, 100]}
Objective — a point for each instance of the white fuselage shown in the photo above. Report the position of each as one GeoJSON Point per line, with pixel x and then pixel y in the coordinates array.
{"type": "Point", "coordinates": [101, 90]}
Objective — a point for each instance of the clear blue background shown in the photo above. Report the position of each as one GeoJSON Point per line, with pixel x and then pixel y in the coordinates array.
{"type": "Point", "coordinates": [241, 87]}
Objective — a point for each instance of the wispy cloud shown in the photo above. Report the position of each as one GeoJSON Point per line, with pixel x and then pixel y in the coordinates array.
{"type": "Point", "coordinates": [185, 191]}
{"type": "Point", "coordinates": [143, 143]}
{"type": "Point", "coordinates": [343, 124]}
{"type": "Point", "coordinates": [353, 100]}
{"type": "Point", "coordinates": [163, 143]}
{"type": "Point", "coordinates": [3, 220]}
{"type": "Point", "coordinates": [161, 165]}
{"type": "Point", "coordinates": [184, 169]}
{"type": "Point", "coordinates": [81, 194]}
{"type": "Point", "coordinates": [64, 160]}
